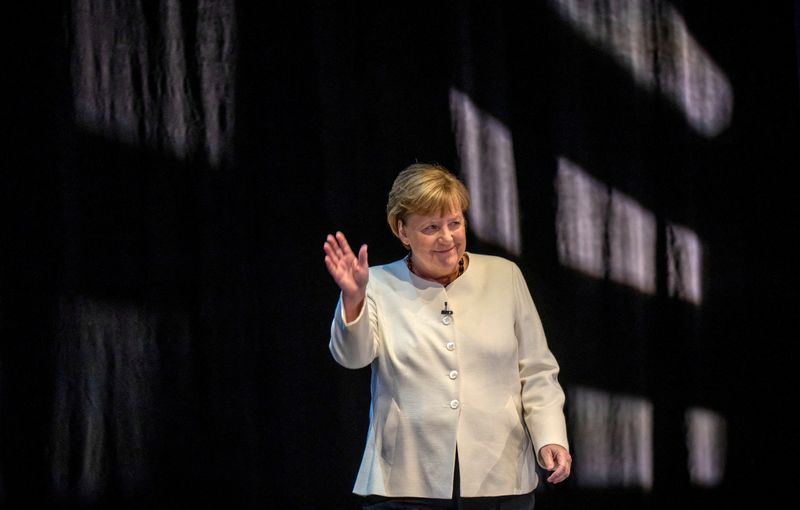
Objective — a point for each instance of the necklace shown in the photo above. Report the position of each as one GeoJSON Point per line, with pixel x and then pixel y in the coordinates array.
{"type": "Point", "coordinates": [410, 265]}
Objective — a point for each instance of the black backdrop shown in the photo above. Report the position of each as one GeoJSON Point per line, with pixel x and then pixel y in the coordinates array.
{"type": "Point", "coordinates": [165, 312]}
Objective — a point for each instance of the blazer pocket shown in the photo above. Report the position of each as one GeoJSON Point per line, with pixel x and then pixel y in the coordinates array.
{"type": "Point", "coordinates": [389, 433]}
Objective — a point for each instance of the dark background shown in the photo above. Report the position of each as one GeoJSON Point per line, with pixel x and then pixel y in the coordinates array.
{"type": "Point", "coordinates": [165, 320]}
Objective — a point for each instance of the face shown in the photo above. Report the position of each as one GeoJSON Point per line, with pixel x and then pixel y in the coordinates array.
{"type": "Point", "coordinates": [437, 242]}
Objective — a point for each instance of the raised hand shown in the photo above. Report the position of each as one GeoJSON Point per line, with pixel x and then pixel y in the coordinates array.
{"type": "Point", "coordinates": [350, 272]}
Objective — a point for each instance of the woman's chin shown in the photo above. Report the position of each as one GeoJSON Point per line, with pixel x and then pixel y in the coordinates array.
{"type": "Point", "coordinates": [448, 264]}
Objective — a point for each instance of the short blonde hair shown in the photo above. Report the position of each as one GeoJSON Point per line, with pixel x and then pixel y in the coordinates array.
{"type": "Point", "coordinates": [424, 188]}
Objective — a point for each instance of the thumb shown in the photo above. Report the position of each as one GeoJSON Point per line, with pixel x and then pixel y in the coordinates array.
{"type": "Point", "coordinates": [362, 255]}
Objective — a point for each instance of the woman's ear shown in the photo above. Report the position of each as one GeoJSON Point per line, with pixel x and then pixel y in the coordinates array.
{"type": "Point", "coordinates": [401, 233]}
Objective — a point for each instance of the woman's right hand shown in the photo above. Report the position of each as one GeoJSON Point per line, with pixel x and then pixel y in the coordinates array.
{"type": "Point", "coordinates": [350, 273]}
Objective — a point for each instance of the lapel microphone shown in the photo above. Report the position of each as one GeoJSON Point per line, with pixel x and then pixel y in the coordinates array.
{"type": "Point", "coordinates": [446, 311]}
{"type": "Point", "coordinates": [447, 319]}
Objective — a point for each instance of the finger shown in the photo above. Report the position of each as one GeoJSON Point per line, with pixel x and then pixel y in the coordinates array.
{"type": "Point", "coordinates": [343, 244]}
{"type": "Point", "coordinates": [327, 246]}
{"type": "Point", "coordinates": [362, 256]}
{"type": "Point", "coordinates": [559, 474]}
{"type": "Point", "coordinates": [331, 265]}
{"type": "Point", "coordinates": [335, 245]}
{"type": "Point", "coordinates": [331, 252]}
{"type": "Point", "coordinates": [562, 467]}
{"type": "Point", "coordinates": [331, 242]}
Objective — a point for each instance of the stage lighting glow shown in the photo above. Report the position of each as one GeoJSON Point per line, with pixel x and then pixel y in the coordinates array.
{"type": "Point", "coordinates": [650, 39]}
{"type": "Point", "coordinates": [684, 264]}
{"type": "Point", "coordinates": [612, 439]}
{"type": "Point", "coordinates": [706, 438]}
{"type": "Point", "coordinates": [603, 232]}
{"type": "Point", "coordinates": [486, 153]}
{"type": "Point", "coordinates": [126, 92]}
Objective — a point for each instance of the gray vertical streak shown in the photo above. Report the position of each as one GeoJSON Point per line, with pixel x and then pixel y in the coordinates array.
{"type": "Point", "coordinates": [177, 116]}
{"type": "Point", "coordinates": [107, 55]}
{"type": "Point", "coordinates": [706, 442]}
{"type": "Point", "coordinates": [684, 264]}
{"type": "Point", "coordinates": [137, 86]}
{"type": "Point", "coordinates": [486, 152]}
{"type": "Point", "coordinates": [581, 219]}
{"type": "Point", "coordinates": [216, 52]}
{"type": "Point", "coordinates": [632, 243]}
{"type": "Point", "coordinates": [104, 401]}
{"type": "Point", "coordinates": [612, 437]}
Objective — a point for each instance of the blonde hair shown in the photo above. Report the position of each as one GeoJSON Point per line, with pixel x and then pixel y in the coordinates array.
{"type": "Point", "coordinates": [424, 188]}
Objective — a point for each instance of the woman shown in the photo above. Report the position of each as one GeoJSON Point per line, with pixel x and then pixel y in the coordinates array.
{"type": "Point", "coordinates": [465, 395]}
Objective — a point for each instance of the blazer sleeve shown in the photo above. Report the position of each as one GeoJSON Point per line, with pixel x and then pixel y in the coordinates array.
{"type": "Point", "coordinates": [542, 395]}
{"type": "Point", "coordinates": [354, 344]}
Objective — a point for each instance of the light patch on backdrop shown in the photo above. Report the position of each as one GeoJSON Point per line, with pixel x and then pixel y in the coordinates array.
{"type": "Point", "coordinates": [105, 372]}
{"type": "Point", "coordinates": [581, 219]}
{"type": "Point", "coordinates": [603, 232]}
{"type": "Point", "coordinates": [107, 390]}
{"type": "Point", "coordinates": [128, 93]}
{"type": "Point", "coordinates": [486, 152]}
{"type": "Point", "coordinates": [650, 39]}
{"type": "Point", "coordinates": [612, 439]}
{"type": "Point", "coordinates": [684, 264]}
{"type": "Point", "coordinates": [632, 243]}
{"type": "Point", "coordinates": [706, 438]}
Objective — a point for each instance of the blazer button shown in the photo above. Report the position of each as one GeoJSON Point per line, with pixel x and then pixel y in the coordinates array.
{"type": "Point", "coordinates": [454, 404]}
{"type": "Point", "coordinates": [450, 346]}
{"type": "Point", "coordinates": [446, 320]}
{"type": "Point", "coordinates": [453, 374]}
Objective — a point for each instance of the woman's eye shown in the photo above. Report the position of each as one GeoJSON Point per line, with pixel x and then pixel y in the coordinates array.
{"type": "Point", "coordinates": [454, 225]}
{"type": "Point", "coordinates": [430, 228]}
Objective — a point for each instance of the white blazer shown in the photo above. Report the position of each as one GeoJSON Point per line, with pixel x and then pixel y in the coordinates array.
{"type": "Point", "coordinates": [482, 378]}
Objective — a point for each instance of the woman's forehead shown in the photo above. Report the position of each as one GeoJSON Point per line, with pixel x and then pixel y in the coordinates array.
{"type": "Point", "coordinates": [438, 215]}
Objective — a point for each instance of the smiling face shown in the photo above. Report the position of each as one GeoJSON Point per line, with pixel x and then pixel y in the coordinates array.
{"type": "Point", "coordinates": [437, 241]}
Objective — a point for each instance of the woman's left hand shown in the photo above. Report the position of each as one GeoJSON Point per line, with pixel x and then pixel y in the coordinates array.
{"type": "Point", "coordinates": [557, 459]}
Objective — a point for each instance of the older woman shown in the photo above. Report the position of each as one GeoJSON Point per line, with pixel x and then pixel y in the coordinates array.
{"type": "Point", "coordinates": [465, 395]}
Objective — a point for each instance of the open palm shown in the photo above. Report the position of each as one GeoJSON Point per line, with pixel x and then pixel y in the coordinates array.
{"type": "Point", "coordinates": [350, 272]}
